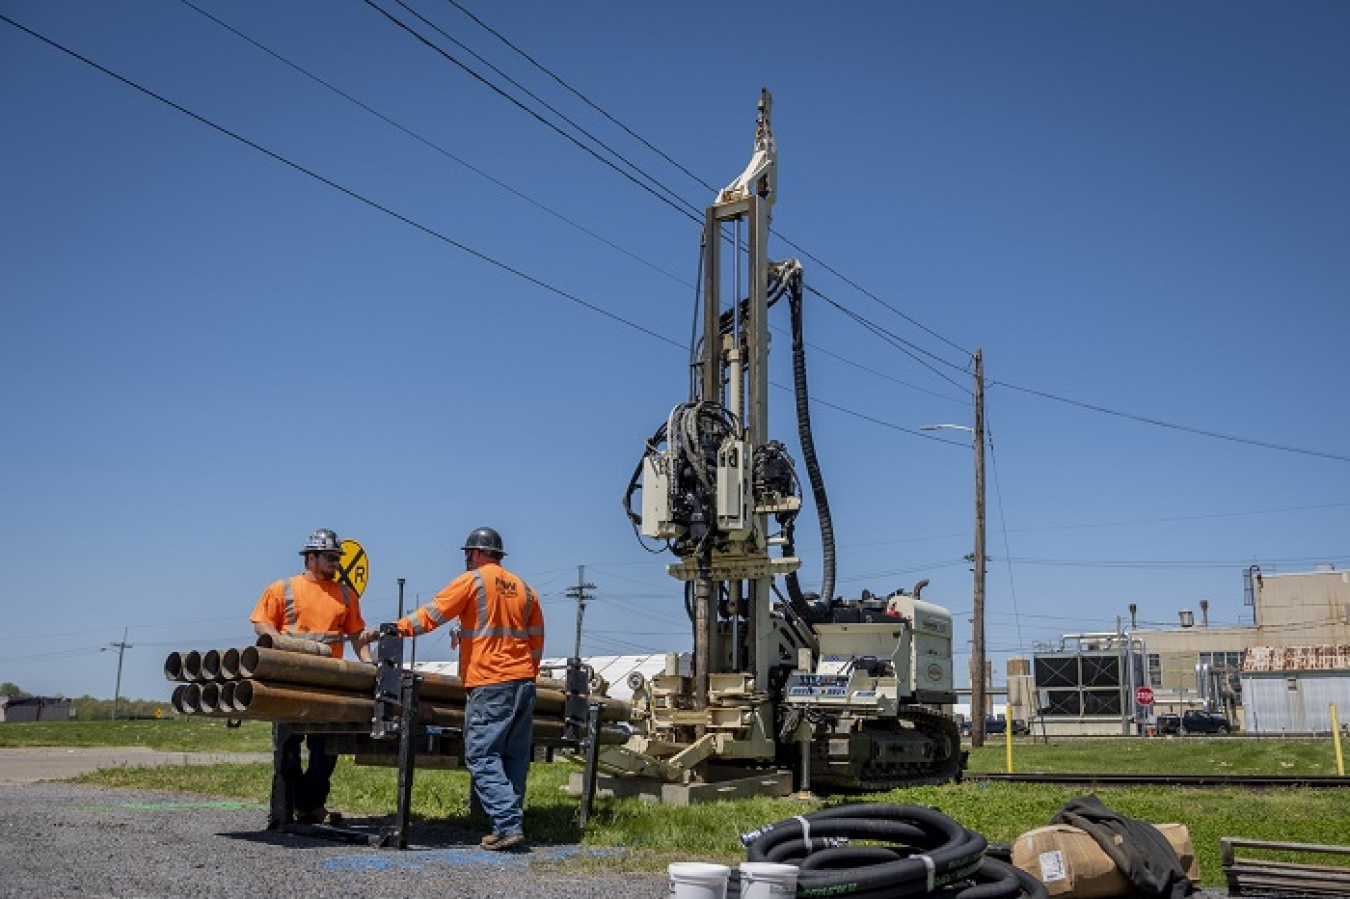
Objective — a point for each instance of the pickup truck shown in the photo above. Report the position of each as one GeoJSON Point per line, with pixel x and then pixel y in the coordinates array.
{"type": "Point", "coordinates": [995, 725]}
{"type": "Point", "coordinates": [1194, 721]}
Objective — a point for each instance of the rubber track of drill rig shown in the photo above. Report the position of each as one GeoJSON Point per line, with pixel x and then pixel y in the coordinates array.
{"type": "Point", "coordinates": [942, 731]}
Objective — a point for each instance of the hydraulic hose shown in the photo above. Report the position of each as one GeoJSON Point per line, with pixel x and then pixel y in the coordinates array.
{"type": "Point", "coordinates": [910, 851]}
{"type": "Point", "coordinates": [813, 475]}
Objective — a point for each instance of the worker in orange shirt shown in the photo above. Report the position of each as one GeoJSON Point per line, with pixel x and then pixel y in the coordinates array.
{"type": "Point", "coordinates": [501, 640]}
{"type": "Point", "coordinates": [312, 606]}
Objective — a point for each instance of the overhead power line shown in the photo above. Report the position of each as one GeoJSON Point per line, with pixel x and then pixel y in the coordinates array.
{"type": "Point", "coordinates": [904, 345]}
{"type": "Point", "coordinates": [894, 339]}
{"type": "Point", "coordinates": [395, 214]}
{"type": "Point", "coordinates": [697, 179]}
{"type": "Point", "coordinates": [579, 95]}
{"type": "Point", "coordinates": [1156, 422]}
{"type": "Point", "coordinates": [660, 191]}
{"type": "Point", "coordinates": [432, 144]}
{"type": "Point", "coordinates": [338, 187]}
{"type": "Point", "coordinates": [909, 348]}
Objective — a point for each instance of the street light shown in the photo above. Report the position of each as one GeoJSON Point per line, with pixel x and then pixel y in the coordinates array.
{"type": "Point", "coordinates": [977, 659]}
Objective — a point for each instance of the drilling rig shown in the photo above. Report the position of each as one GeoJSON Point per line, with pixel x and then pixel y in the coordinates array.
{"type": "Point", "coordinates": [827, 692]}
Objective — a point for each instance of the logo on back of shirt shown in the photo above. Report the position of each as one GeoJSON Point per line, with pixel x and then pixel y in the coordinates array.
{"type": "Point", "coordinates": [507, 588]}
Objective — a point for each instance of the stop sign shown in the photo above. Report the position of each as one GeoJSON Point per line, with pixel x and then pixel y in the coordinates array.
{"type": "Point", "coordinates": [1144, 696]}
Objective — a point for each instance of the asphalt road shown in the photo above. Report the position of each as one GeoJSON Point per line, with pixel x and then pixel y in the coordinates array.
{"type": "Point", "coordinates": [68, 840]}
{"type": "Point", "coordinates": [29, 764]}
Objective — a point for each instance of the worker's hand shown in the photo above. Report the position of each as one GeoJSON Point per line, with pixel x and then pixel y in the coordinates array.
{"type": "Point", "coordinates": [370, 635]}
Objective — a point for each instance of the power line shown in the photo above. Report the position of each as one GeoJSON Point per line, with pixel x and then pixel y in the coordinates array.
{"type": "Point", "coordinates": [338, 187]}
{"type": "Point", "coordinates": [1172, 425]}
{"type": "Point", "coordinates": [703, 183]}
{"type": "Point", "coordinates": [1007, 549]}
{"type": "Point", "coordinates": [907, 347]}
{"type": "Point", "coordinates": [674, 203]}
{"type": "Point", "coordinates": [433, 145]}
{"type": "Point", "coordinates": [534, 62]}
{"type": "Point", "coordinates": [900, 342]}
{"type": "Point", "coordinates": [1177, 564]}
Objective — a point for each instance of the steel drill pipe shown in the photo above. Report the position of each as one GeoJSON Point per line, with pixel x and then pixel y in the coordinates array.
{"type": "Point", "coordinates": [191, 698]}
{"type": "Point", "coordinates": [210, 697]}
{"type": "Point", "coordinates": [226, 701]}
{"type": "Point", "coordinates": [254, 699]}
{"type": "Point", "coordinates": [273, 665]}
{"type": "Point", "coordinates": [283, 667]}
{"type": "Point", "coordinates": [211, 665]}
{"type": "Point", "coordinates": [192, 665]}
{"type": "Point", "coordinates": [173, 666]}
{"type": "Point", "coordinates": [277, 665]}
{"type": "Point", "coordinates": [284, 702]}
{"type": "Point", "coordinates": [294, 644]}
{"type": "Point", "coordinates": [229, 664]}
{"type": "Point", "coordinates": [292, 702]}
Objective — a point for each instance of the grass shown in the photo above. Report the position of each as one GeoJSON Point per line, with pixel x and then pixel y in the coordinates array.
{"type": "Point", "coordinates": [173, 734]}
{"type": "Point", "coordinates": [1172, 755]}
{"type": "Point", "coordinates": [1000, 811]}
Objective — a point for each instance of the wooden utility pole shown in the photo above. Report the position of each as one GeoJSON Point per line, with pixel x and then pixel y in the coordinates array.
{"type": "Point", "coordinates": [977, 661]}
{"type": "Point", "coordinates": [579, 594]}
{"type": "Point", "coordinates": [117, 686]}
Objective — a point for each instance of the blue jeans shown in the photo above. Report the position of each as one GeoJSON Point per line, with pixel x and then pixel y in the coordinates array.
{"type": "Point", "coordinates": [498, 725]}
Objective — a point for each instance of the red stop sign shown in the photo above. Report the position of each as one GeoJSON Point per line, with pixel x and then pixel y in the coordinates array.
{"type": "Point", "coordinates": [1144, 696]}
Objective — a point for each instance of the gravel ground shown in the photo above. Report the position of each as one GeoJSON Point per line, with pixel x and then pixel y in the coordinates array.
{"type": "Point", "coordinates": [59, 839]}
{"type": "Point", "coordinates": [62, 839]}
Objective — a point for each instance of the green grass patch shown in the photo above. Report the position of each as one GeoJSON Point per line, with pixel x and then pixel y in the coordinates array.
{"type": "Point", "coordinates": [1181, 755]}
{"type": "Point", "coordinates": [172, 734]}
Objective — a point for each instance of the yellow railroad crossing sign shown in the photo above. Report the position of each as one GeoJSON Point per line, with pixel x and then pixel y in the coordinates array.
{"type": "Point", "coordinates": [354, 569]}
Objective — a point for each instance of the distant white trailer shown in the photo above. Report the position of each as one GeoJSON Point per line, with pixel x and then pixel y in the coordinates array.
{"type": "Point", "coordinates": [1293, 701]}
{"type": "Point", "coordinates": [615, 670]}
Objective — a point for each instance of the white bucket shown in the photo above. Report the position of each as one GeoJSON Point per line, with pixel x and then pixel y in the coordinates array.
{"type": "Point", "coordinates": [768, 880]}
{"type": "Point", "coordinates": [698, 880]}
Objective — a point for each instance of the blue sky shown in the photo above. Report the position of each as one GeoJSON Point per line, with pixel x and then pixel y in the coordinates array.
{"type": "Point", "coordinates": [406, 307]}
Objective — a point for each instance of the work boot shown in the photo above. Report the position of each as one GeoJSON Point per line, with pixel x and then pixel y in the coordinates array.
{"type": "Point", "coordinates": [501, 842]}
{"type": "Point", "coordinates": [318, 815]}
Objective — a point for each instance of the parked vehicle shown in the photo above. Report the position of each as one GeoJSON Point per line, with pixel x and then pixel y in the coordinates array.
{"type": "Point", "coordinates": [1193, 721]}
{"type": "Point", "coordinates": [996, 725]}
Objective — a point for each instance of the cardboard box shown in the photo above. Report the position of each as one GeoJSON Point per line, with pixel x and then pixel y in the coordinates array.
{"type": "Point", "coordinates": [1070, 863]}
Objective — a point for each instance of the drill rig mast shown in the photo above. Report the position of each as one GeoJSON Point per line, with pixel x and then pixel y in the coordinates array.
{"type": "Point", "coordinates": [770, 683]}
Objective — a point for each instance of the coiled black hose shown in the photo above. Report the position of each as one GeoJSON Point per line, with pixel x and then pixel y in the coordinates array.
{"type": "Point", "coordinates": [911, 851]}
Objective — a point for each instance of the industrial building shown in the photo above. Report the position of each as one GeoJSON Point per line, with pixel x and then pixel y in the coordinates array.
{"type": "Point", "coordinates": [1281, 674]}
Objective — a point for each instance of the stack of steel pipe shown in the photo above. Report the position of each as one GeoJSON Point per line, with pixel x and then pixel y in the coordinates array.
{"type": "Point", "coordinates": [296, 684]}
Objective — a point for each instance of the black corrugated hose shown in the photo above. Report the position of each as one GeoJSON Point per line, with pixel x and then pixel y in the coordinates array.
{"type": "Point", "coordinates": [910, 851]}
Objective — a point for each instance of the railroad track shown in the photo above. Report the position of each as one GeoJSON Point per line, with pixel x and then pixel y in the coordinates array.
{"type": "Point", "coordinates": [1251, 781]}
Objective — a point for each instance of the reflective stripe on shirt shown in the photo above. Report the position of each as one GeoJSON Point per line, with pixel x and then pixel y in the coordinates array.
{"type": "Point", "coordinates": [293, 617]}
{"type": "Point", "coordinates": [482, 630]}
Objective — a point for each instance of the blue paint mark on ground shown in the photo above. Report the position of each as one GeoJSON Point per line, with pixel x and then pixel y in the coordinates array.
{"type": "Point", "coordinates": [456, 858]}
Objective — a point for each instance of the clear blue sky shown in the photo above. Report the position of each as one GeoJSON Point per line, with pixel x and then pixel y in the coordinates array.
{"type": "Point", "coordinates": [1140, 212]}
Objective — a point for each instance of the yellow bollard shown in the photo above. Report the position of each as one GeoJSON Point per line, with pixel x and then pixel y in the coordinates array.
{"type": "Point", "coordinates": [1336, 741]}
{"type": "Point", "coordinates": [1007, 740]}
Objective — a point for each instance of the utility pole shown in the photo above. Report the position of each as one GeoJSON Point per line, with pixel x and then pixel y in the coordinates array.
{"type": "Point", "coordinates": [117, 688]}
{"type": "Point", "coordinates": [579, 594]}
{"type": "Point", "coordinates": [977, 684]}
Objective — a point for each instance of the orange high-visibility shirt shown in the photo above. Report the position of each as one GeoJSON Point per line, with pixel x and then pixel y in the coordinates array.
{"type": "Point", "coordinates": [303, 607]}
{"type": "Point", "coordinates": [501, 635]}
